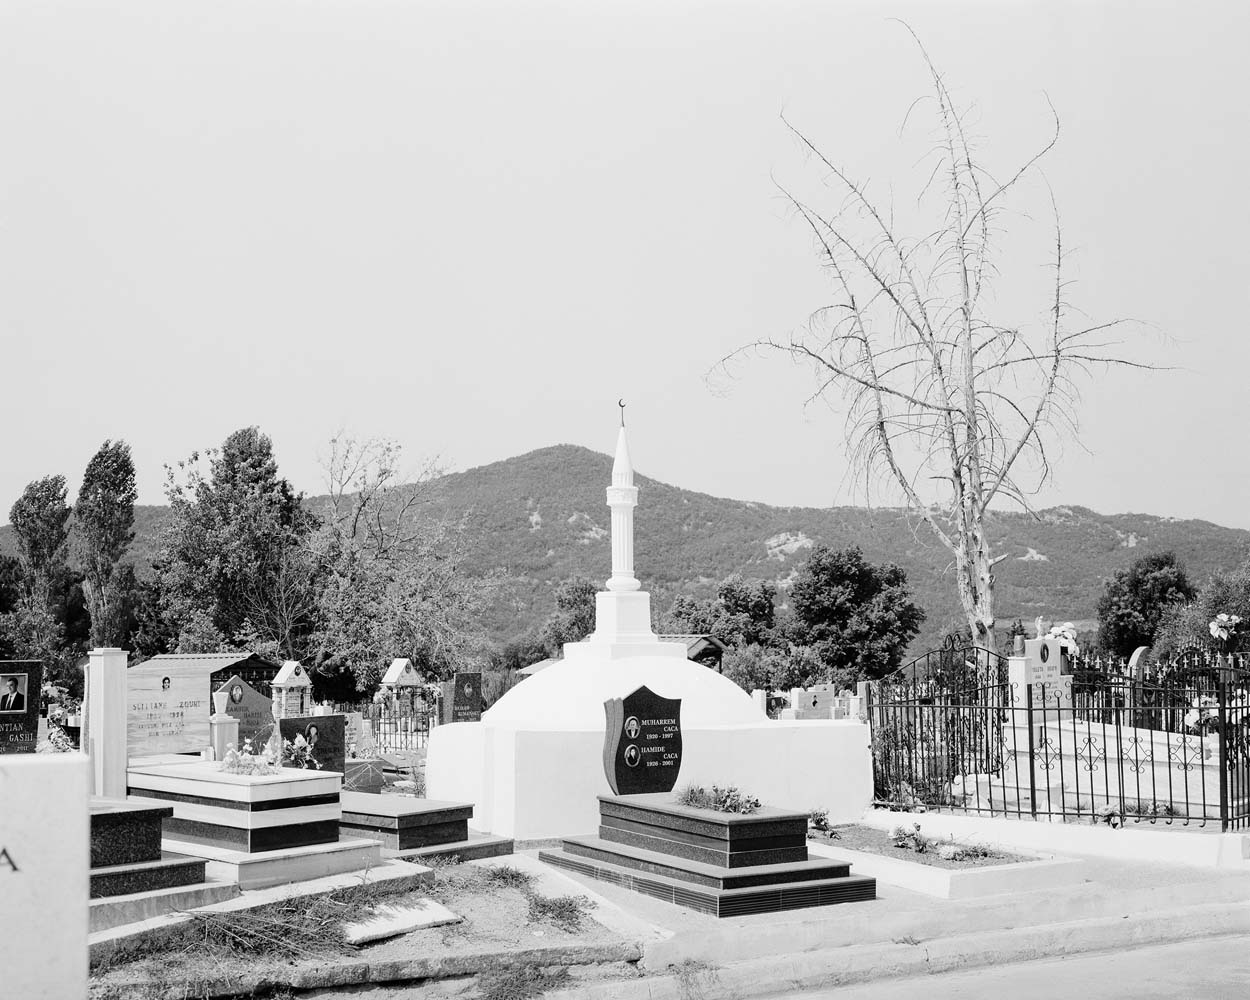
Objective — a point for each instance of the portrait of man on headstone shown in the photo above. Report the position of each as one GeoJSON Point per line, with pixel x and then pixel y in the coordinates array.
{"type": "Point", "coordinates": [13, 692]}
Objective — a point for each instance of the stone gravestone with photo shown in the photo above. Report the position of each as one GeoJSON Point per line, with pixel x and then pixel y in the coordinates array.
{"type": "Point", "coordinates": [466, 703]}
{"type": "Point", "coordinates": [167, 709]}
{"type": "Point", "coordinates": [253, 710]}
{"type": "Point", "coordinates": [20, 684]}
{"type": "Point", "coordinates": [1046, 666]}
{"type": "Point", "coordinates": [324, 736]}
{"type": "Point", "coordinates": [642, 744]}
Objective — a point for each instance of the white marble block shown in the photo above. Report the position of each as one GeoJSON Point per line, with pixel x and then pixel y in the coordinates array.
{"type": "Point", "coordinates": [45, 847]}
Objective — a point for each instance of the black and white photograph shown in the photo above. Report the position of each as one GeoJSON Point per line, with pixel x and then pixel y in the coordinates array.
{"type": "Point", "coordinates": [13, 692]}
{"type": "Point", "coordinates": [624, 499]}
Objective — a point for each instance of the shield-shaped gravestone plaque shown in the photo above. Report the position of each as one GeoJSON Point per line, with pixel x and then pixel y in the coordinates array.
{"type": "Point", "coordinates": [642, 744]}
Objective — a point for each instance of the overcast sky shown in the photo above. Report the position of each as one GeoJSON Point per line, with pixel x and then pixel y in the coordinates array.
{"type": "Point", "coordinates": [472, 227]}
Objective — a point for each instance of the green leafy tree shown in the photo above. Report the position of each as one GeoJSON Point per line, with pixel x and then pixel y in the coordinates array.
{"type": "Point", "coordinates": [574, 616]}
{"type": "Point", "coordinates": [234, 562]}
{"type": "Point", "coordinates": [856, 618]}
{"type": "Point", "coordinates": [104, 518]}
{"type": "Point", "coordinates": [31, 627]}
{"type": "Point", "coordinates": [390, 578]}
{"type": "Point", "coordinates": [1187, 624]}
{"type": "Point", "coordinates": [742, 613]}
{"type": "Point", "coordinates": [1135, 599]}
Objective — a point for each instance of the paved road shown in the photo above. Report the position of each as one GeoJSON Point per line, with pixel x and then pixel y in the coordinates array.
{"type": "Point", "coordinates": [1210, 969]}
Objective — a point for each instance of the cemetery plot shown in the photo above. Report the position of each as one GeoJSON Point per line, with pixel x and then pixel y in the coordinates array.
{"type": "Point", "coordinates": [956, 730]}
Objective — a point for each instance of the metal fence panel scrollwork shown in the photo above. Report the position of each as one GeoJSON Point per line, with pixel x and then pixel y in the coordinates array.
{"type": "Point", "coordinates": [1169, 745]}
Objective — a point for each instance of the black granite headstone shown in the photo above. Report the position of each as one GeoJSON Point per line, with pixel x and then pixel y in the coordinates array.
{"type": "Point", "coordinates": [21, 682]}
{"type": "Point", "coordinates": [642, 745]}
{"type": "Point", "coordinates": [253, 710]}
{"type": "Point", "coordinates": [324, 734]}
{"type": "Point", "coordinates": [466, 704]}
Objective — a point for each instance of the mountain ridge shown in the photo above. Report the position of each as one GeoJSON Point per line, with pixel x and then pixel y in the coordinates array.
{"type": "Point", "coordinates": [542, 517]}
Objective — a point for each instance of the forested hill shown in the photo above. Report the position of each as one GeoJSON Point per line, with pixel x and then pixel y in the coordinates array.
{"type": "Point", "coordinates": [542, 517]}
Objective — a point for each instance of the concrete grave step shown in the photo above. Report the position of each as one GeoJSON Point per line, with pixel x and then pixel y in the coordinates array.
{"type": "Point", "coordinates": [262, 869]}
{"type": "Point", "coordinates": [474, 848]}
{"type": "Point", "coordinates": [701, 873]}
{"type": "Point", "coordinates": [115, 911]}
{"type": "Point", "coordinates": [720, 902]}
{"type": "Point", "coordinates": [661, 811]}
{"type": "Point", "coordinates": [401, 823]}
{"type": "Point", "coordinates": [746, 853]}
{"type": "Point", "coordinates": [146, 876]}
{"type": "Point", "coordinates": [124, 832]}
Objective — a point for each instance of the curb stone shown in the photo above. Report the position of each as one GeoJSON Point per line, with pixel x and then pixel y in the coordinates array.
{"type": "Point", "coordinates": [358, 973]}
{"type": "Point", "coordinates": [781, 974]}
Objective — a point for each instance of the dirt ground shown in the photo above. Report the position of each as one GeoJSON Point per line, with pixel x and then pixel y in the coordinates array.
{"type": "Point", "coordinates": [497, 917]}
{"type": "Point", "coordinates": [864, 838]}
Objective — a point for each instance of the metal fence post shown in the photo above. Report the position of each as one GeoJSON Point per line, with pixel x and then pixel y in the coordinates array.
{"type": "Point", "coordinates": [1028, 714]}
{"type": "Point", "coordinates": [1226, 807]}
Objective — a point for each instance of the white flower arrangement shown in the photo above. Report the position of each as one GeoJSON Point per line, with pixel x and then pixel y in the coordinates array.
{"type": "Point", "coordinates": [1223, 626]}
{"type": "Point", "coordinates": [1066, 633]}
{"type": "Point", "coordinates": [249, 763]}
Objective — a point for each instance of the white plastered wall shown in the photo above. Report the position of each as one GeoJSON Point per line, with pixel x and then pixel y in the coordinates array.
{"type": "Point", "coordinates": [535, 785]}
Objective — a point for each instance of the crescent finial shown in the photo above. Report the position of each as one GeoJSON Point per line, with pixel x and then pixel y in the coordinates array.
{"type": "Point", "coordinates": [621, 404]}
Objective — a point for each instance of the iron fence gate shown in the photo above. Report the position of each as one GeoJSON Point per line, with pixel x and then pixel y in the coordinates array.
{"type": "Point", "coordinates": [950, 731]}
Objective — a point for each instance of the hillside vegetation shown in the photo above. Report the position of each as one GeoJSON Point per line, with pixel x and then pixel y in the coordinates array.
{"type": "Point", "coordinates": [541, 518]}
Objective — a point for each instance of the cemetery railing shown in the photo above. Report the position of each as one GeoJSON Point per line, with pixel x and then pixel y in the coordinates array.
{"type": "Point", "coordinates": [1169, 747]}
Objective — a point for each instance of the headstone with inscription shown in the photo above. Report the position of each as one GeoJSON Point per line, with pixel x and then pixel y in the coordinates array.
{"type": "Point", "coordinates": [1046, 667]}
{"type": "Point", "coordinates": [21, 681]}
{"type": "Point", "coordinates": [466, 702]}
{"type": "Point", "coordinates": [253, 710]}
{"type": "Point", "coordinates": [323, 735]}
{"type": "Point", "coordinates": [167, 709]}
{"type": "Point", "coordinates": [642, 744]}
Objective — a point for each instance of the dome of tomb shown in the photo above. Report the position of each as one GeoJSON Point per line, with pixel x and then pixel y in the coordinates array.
{"type": "Point", "coordinates": [569, 694]}
{"type": "Point", "coordinates": [623, 653]}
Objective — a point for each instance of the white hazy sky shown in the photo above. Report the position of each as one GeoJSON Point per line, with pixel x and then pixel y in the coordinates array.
{"type": "Point", "coordinates": [471, 226]}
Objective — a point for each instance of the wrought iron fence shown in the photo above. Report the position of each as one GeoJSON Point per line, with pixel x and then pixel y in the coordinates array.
{"type": "Point", "coordinates": [397, 726]}
{"type": "Point", "coordinates": [1170, 743]}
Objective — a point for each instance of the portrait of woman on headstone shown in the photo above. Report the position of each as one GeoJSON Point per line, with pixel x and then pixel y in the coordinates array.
{"type": "Point", "coordinates": [310, 737]}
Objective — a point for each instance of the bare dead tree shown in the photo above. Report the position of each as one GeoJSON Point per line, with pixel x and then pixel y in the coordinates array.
{"type": "Point", "coordinates": [934, 390]}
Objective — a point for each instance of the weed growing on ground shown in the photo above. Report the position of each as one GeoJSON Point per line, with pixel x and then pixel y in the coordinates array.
{"type": "Point", "coordinates": [912, 839]}
{"type": "Point", "coordinates": [696, 980]}
{"type": "Point", "coordinates": [565, 912]}
{"type": "Point", "coordinates": [301, 927]}
{"type": "Point", "coordinates": [521, 983]}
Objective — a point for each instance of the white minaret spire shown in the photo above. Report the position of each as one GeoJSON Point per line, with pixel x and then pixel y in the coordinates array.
{"type": "Point", "coordinates": [622, 498]}
{"type": "Point", "coordinates": [623, 608]}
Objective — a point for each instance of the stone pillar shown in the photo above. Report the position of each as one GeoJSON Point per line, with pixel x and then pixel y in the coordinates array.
{"type": "Point", "coordinates": [223, 732]}
{"type": "Point", "coordinates": [622, 500]}
{"type": "Point", "coordinates": [106, 721]}
{"type": "Point", "coordinates": [761, 700]}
